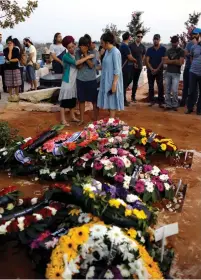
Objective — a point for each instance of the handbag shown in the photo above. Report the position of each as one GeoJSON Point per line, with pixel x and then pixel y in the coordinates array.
{"type": "Point", "coordinates": [36, 66]}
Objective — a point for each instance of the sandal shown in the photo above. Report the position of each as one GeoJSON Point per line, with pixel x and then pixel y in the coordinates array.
{"type": "Point", "coordinates": [65, 124]}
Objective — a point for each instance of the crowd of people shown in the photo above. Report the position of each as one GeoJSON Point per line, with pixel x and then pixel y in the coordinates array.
{"type": "Point", "coordinates": [120, 66]}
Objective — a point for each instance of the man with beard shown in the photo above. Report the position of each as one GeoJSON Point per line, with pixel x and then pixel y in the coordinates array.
{"type": "Point", "coordinates": [31, 60]}
{"type": "Point", "coordinates": [57, 52]}
{"type": "Point", "coordinates": [174, 59]}
{"type": "Point", "coordinates": [154, 62]}
{"type": "Point", "coordinates": [138, 51]}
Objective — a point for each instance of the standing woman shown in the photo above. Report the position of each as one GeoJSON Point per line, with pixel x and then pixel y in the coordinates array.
{"type": "Point", "coordinates": [22, 62]}
{"type": "Point", "coordinates": [68, 93]}
{"type": "Point", "coordinates": [57, 52]}
{"type": "Point", "coordinates": [111, 94]}
{"type": "Point", "coordinates": [12, 71]}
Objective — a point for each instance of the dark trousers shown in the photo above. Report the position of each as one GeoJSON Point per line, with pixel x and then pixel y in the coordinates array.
{"type": "Point", "coordinates": [185, 86]}
{"type": "Point", "coordinates": [195, 89]}
{"type": "Point", "coordinates": [159, 80]}
{"type": "Point", "coordinates": [136, 76]}
{"type": "Point", "coordinates": [22, 78]}
{"type": "Point", "coordinates": [2, 66]}
{"type": "Point", "coordinates": [127, 79]}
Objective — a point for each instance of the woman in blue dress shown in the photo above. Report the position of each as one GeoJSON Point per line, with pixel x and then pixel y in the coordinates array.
{"type": "Point", "coordinates": [111, 94]}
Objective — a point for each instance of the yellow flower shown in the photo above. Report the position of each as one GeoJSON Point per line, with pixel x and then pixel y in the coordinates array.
{"type": "Point", "coordinates": [163, 147]}
{"type": "Point", "coordinates": [92, 195]}
{"type": "Point", "coordinates": [114, 203]}
{"type": "Point", "coordinates": [136, 128]}
{"type": "Point", "coordinates": [156, 140]}
{"type": "Point", "coordinates": [57, 256]}
{"type": "Point", "coordinates": [132, 132]}
{"type": "Point", "coordinates": [54, 272]}
{"type": "Point", "coordinates": [96, 219]}
{"type": "Point", "coordinates": [69, 247]}
{"type": "Point", "coordinates": [81, 235]}
{"type": "Point", "coordinates": [132, 233]}
{"type": "Point", "coordinates": [144, 141]}
{"type": "Point", "coordinates": [165, 140]}
{"type": "Point", "coordinates": [74, 212]}
{"type": "Point", "coordinates": [143, 132]}
{"type": "Point", "coordinates": [140, 214]}
{"type": "Point", "coordinates": [128, 212]}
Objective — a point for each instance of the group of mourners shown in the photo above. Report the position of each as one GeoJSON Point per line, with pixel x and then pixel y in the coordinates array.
{"type": "Point", "coordinates": [120, 65]}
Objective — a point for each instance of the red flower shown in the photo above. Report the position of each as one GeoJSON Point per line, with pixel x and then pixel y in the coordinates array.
{"type": "Point", "coordinates": [103, 141]}
{"type": "Point", "coordinates": [154, 145]}
{"type": "Point", "coordinates": [13, 227]}
{"type": "Point", "coordinates": [27, 144]}
{"type": "Point", "coordinates": [138, 135]}
{"type": "Point", "coordinates": [64, 188]}
{"type": "Point", "coordinates": [169, 148]}
{"type": "Point", "coordinates": [7, 190]}
{"type": "Point", "coordinates": [29, 220]}
{"type": "Point", "coordinates": [45, 212]}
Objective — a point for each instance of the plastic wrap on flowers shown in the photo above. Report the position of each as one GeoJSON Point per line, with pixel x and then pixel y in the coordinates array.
{"type": "Point", "coordinates": [8, 196]}
{"type": "Point", "coordinates": [97, 251]}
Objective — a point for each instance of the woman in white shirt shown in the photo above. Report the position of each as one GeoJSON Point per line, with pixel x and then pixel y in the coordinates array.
{"type": "Point", "coordinates": [57, 52]}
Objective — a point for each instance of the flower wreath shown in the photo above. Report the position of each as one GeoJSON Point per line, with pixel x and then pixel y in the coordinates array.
{"type": "Point", "coordinates": [95, 250]}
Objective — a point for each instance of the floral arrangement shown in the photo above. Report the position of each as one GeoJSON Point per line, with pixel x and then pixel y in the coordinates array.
{"type": "Point", "coordinates": [98, 251]}
{"type": "Point", "coordinates": [154, 184]}
{"type": "Point", "coordinates": [153, 142]}
{"type": "Point", "coordinates": [8, 197]}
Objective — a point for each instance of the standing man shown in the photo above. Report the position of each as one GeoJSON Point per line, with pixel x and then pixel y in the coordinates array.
{"type": "Point", "coordinates": [154, 62]}
{"type": "Point", "coordinates": [127, 64]}
{"type": "Point", "coordinates": [57, 52]}
{"type": "Point", "coordinates": [186, 72]}
{"type": "Point", "coordinates": [31, 60]}
{"type": "Point", "coordinates": [174, 59]}
{"type": "Point", "coordinates": [138, 51]}
{"type": "Point", "coordinates": [2, 64]}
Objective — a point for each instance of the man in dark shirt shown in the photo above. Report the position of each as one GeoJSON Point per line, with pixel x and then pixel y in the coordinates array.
{"type": "Point", "coordinates": [127, 63]}
{"type": "Point", "coordinates": [154, 62]}
{"type": "Point", "coordinates": [138, 51]}
{"type": "Point", "coordinates": [174, 59]}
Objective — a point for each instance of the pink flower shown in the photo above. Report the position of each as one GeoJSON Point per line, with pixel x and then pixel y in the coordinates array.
{"type": "Point", "coordinates": [148, 168]}
{"type": "Point", "coordinates": [119, 163]}
{"type": "Point", "coordinates": [98, 165]}
{"type": "Point", "coordinates": [119, 178]}
{"type": "Point", "coordinates": [160, 186]}
{"type": "Point", "coordinates": [133, 159]}
{"type": "Point", "coordinates": [122, 152]}
{"type": "Point", "coordinates": [164, 171]}
{"type": "Point", "coordinates": [139, 187]}
{"type": "Point", "coordinates": [34, 245]}
{"type": "Point", "coordinates": [49, 146]}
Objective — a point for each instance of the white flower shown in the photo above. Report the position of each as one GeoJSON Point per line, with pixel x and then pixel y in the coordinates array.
{"type": "Point", "coordinates": [164, 177]}
{"type": "Point", "coordinates": [126, 146]}
{"type": "Point", "coordinates": [84, 164]}
{"type": "Point", "coordinates": [10, 206]}
{"type": "Point", "coordinates": [43, 157]}
{"type": "Point", "coordinates": [21, 223]}
{"type": "Point", "coordinates": [115, 235]}
{"type": "Point", "coordinates": [110, 121]}
{"type": "Point", "coordinates": [2, 150]}
{"type": "Point", "coordinates": [34, 201]}
{"type": "Point", "coordinates": [53, 210]}
{"type": "Point", "coordinates": [97, 184]}
{"type": "Point", "coordinates": [1, 210]}
{"type": "Point", "coordinates": [66, 170]}
{"type": "Point", "coordinates": [124, 271]}
{"type": "Point", "coordinates": [44, 171]}
{"type": "Point", "coordinates": [91, 126]}
{"type": "Point", "coordinates": [38, 217]}
{"type": "Point", "coordinates": [167, 186]}
{"type": "Point", "coordinates": [126, 185]}
{"type": "Point", "coordinates": [98, 231]}
{"type": "Point", "coordinates": [131, 198]}
{"type": "Point", "coordinates": [150, 187]}
{"type": "Point", "coordinates": [3, 229]}
{"type": "Point", "coordinates": [70, 268]}
{"type": "Point", "coordinates": [36, 179]}
{"type": "Point", "coordinates": [20, 201]}
{"type": "Point", "coordinates": [27, 139]}
{"type": "Point", "coordinates": [126, 161]}
{"type": "Point", "coordinates": [127, 179]}
{"type": "Point", "coordinates": [84, 218]}
{"type": "Point", "coordinates": [109, 165]}
{"type": "Point", "coordinates": [113, 151]}
{"type": "Point", "coordinates": [155, 171]}
{"type": "Point", "coordinates": [109, 274]}
{"type": "Point", "coordinates": [5, 153]}
{"type": "Point", "coordinates": [142, 239]}
{"type": "Point", "coordinates": [111, 140]}
{"type": "Point", "coordinates": [1, 216]}
{"type": "Point", "coordinates": [53, 175]}
{"type": "Point", "coordinates": [91, 272]}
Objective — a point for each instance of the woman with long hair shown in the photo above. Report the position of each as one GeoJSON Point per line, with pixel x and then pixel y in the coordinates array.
{"type": "Point", "coordinates": [111, 94]}
{"type": "Point", "coordinates": [68, 92]}
{"type": "Point", "coordinates": [12, 71]}
{"type": "Point", "coordinates": [57, 52]}
{"type": "Point", "coordinates": [22, 61]}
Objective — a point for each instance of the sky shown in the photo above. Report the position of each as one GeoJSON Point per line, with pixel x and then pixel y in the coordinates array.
{"type": "Point", "coordinates": [78, 17]}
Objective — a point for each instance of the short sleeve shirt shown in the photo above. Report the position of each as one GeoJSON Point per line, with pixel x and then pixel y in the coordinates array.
{"type": "Point", "coordinates": [156, 56]}
{"type": "Point", "coordinates": [57, 49]}
{"type": "Point", "coordinates": [2, 59]}
{"type": "Point", "coordinates": [196, 59]}
{"type": "Point", "coordinates": [15, 54]}
{"type": "Point", "coordinates": [32, 49]}
{"type": "Point", "coordinates": [125, 51]}
{"type": "Point", "coordinates": [188, 57]}
{"type": "Point", "coordinates": [172, 54]}
{"type": "Point", "coordinates": [138, 51]}
{"type": "Point", "coordinates": [86, 73]}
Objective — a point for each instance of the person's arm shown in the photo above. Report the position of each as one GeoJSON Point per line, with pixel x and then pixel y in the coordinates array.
{"type": "Point", "coordinates": [143, 55]}
{"type": "Point", "coordinates": [70, 60]}
{"type": "Point", "coordinates": [55, 58]}
{"type": "Point", "coordinates": [91, 63]}
{"type": "Point", "coordinates": [131, 58]}
{"type": "Point", "coordinates": [148, 63]}
{"type": "Point", "coordinates": [178, 62]}
{"type": "Point", "coordinates": [14, 53]}
{"type": "Point", "coordinates": [117, 70]}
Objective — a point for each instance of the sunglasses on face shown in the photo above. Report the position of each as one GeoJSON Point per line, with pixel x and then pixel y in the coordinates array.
{"type": "Point", "coordinates": [140, 36]}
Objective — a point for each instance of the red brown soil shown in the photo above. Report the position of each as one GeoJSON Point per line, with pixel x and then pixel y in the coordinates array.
{"type": "Point", "coordinates": [185, 130]}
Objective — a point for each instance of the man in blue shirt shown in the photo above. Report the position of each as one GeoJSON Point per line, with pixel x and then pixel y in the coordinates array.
{"type": "Point", "coordinates": [2, 63]}
{"type": "Point", "coordinates": [127, 64]}
{"type": "Point", "coordinates": [154, 61]}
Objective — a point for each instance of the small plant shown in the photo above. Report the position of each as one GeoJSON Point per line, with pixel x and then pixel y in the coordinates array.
{"type": "Point", "coordinates": [7, 134]}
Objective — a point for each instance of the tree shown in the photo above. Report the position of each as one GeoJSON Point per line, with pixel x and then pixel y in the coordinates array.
{"type": "Point", "coordinates": [136, 24]}
{"type": "Point", "coordinates": [190, 24]}
{"type": "Point", "coordinates": [11, 13]}
{"type": "Point", "coordinates": [113, 28]}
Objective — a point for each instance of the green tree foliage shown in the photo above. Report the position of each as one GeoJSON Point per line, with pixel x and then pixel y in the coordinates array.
{"type": "Point", "coordinates": [12, 13]}
{"type": "Point", "coordinates": [113, 28]}
{"type": "Point", "coordinates": [136, 24]}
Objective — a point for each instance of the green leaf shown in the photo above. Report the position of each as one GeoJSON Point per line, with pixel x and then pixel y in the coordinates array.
{"type": "Point", "coordinates": [147, 196]}
{"type": "Point", "coordinates": [154, 196]}
{"type": "Point", "coordinates": [167, 154]}
{"type": "Point", "coordinates": [58, 127]}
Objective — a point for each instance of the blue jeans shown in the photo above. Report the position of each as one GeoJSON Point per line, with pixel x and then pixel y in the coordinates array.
{"type": "Point", "coordinates": [172, 85]}
{"type": "Point", "coordinates": [195, 88]}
